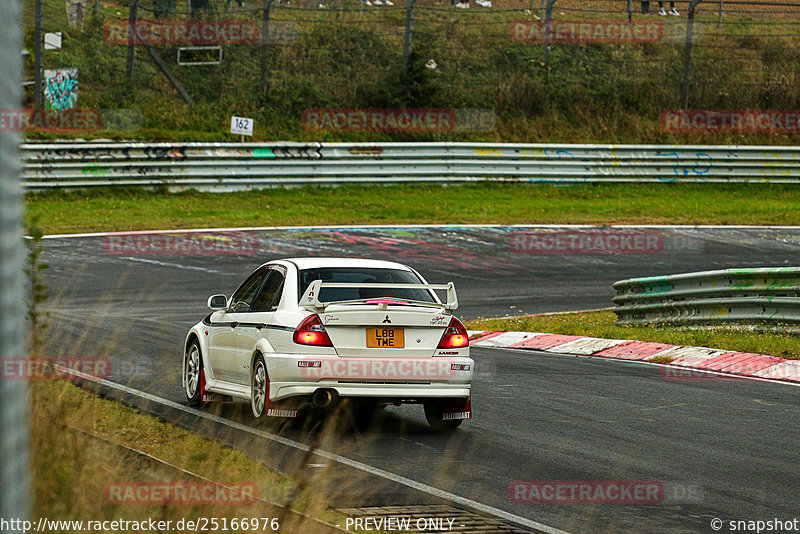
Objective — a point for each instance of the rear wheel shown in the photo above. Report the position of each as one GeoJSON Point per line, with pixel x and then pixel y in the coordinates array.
{"type": "Point", "coordinates": [433, 413]}
{"type": "Point", "coordinates": [192, 374]}
{"type": "Point", "coordinates": [259, 389]}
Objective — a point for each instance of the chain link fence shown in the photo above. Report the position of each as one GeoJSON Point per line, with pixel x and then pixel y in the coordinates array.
{"type": "Point", "coordinates": [191, 64]}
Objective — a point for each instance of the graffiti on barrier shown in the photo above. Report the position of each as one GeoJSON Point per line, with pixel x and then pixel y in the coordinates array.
{"type": "Point", "coordinates": [61, 88]}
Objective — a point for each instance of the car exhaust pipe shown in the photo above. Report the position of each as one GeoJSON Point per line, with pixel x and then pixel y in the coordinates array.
{"type": "Point", "coordinates": [323, 398]}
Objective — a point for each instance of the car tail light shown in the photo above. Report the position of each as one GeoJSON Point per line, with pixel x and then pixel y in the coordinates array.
{"type": "Point", "coordinates": [455, 336]}
{"type": "Point", "coordinates": [312, 332]}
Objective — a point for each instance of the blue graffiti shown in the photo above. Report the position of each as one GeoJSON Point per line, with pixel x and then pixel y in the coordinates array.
{"type": "Point", "coordinates": [702, 164]}
{"type": "Point", "coordinates": [61, 89]}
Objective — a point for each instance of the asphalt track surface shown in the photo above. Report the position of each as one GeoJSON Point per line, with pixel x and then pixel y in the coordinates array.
{"type": "Point", "coordinates": [723, 449]}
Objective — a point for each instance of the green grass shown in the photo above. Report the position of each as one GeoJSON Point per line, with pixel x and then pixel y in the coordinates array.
{"type": "Point", "coordinates": [75, 455]}
{"type": "Point", "coordinates": [486, 203]}
{"type": "Point", "coordinates": [601, 324]}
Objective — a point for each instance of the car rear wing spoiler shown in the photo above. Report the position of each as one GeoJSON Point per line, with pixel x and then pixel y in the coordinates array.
{"type": "Point", "coordinates": [311, 302]}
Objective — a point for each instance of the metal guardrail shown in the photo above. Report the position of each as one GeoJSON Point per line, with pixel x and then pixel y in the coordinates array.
{"type": "Point", "coordinates": [242, 165]}
{"type": "Point", "coordinates": [729, 295]}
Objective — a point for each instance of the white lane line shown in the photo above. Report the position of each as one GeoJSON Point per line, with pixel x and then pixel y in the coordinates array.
{"type": "Point", "coordinates": [434, 226]}
{"type": "Point", "coordinates": [175, 265]}
{"type": "Point", "coordinates": [430, 490]}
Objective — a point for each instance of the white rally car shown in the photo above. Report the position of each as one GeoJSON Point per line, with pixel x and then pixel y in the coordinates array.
{"type": "Point", "coordinates": [310, 332]}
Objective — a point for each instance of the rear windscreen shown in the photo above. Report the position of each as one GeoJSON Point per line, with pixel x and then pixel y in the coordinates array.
{"type": "Point", "coordinates": [357, 275]}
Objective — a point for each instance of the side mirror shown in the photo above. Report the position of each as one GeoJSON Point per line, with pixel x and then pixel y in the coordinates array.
{"type": "Point", "coordinates": [218, 302]}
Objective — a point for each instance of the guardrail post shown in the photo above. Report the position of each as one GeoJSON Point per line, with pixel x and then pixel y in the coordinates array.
{"type": "Point", "coordinates": [15, 495]}
{"type": "Point", "coordinates": [687, 58]}
{"type": "Point", "coordinates": [264, 46]}
{"type": "Point", "coordinates": [407, 36]}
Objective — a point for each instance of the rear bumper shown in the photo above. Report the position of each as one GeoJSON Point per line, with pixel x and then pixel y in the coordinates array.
{"type": "Point", "coordinates": [400, 392]}
{"type": "Point", "coordinates": [409, 379]}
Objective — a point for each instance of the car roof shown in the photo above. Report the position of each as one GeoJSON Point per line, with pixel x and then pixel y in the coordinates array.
{"type": "Point", "coordinates": [321, 262]}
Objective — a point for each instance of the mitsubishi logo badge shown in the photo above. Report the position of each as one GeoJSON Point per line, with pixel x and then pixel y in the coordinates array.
{"type": "Point", "coordinates": [387, 320]}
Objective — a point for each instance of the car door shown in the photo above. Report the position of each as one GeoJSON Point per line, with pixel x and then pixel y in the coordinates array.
{"type": "Point", "coordinates": [255, 323]}
{"type": "Point", "coordinates": [224, 346]}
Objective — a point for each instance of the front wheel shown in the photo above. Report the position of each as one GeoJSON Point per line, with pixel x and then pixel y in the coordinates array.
{"type": "Point", "coordinates": [192, 375]}
{"type": "Point", "coordinates": [259, 387]}
{"type": "Point", "coordinates": [433, 413]}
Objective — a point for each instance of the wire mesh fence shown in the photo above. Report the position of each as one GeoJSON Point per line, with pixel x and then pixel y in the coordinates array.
{"type": "Point", "coordinates": [191, 64]}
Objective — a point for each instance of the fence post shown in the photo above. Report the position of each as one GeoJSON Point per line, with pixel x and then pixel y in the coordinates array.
{"type": "Point", "coordinates": [15, 475]}
{"type": "Point", "coordinates": [131, 37]}
{"type": "Point", "coordinates": [264, 55]}
{"type": "Point", "coordinates": [38, 88]}
{"type": "Point", "coordinates": [407, 36]}
{"type": "Point", "coordinates": [720, 15]}
{"type": "Point", "coordinates": [687, 58]}
{"type": "Point", "coordinates": [630, 11]}
{"type": "Point", "coordinates": [548, 28]}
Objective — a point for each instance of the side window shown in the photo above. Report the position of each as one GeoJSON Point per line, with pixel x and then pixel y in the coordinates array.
{"type": "Point", "coordinates": [242, 300]}
{"type": "Point", "coordinates": [270, 294]}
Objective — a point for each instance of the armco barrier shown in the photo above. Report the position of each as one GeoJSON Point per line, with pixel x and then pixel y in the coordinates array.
{"type": "Point", "coordinates": [729, 295]}
{"type": "Point", "coordinates": [242, 165]}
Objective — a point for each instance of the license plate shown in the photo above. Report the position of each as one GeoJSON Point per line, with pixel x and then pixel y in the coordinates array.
{"type": "Point", "coordinates": [386, 338]}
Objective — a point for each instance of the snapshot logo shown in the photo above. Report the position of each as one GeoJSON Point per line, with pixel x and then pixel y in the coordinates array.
{"type": "Point", "coordinates": [180, 493]}
{"type": "Point", "coordinates": [189, 32]}
{"type": "Point", "coordinates": [587, 242]}
{"type": "Point", "coordinates": [730, 121]}
{"type": "Point", "coordinates": [429, 369]}
{"type": "Point", "coordinates": [50, 120]}
{"type": "Point", "coordinates": [586, 492]}
{"type": "Point", "coordinates": [195, 244]}
{"type": "Point", "coordinates": [597, 31]}
{"type": "Point", "coordinates": [52, 368]}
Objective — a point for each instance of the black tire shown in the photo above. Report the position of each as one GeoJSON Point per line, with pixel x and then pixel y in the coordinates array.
{"type": "Point", "coordinates": [433, 413]}
{"type": "Point", "coordinates": [259, 381]}
{"type": "Point", "coordinates": [192, 373]}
